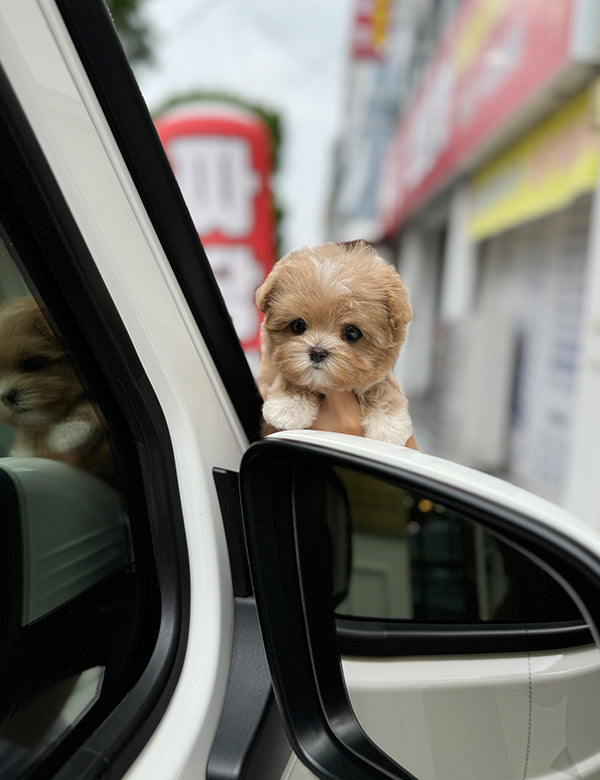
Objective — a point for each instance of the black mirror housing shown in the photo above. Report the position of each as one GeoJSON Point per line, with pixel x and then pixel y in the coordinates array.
{"type": "Point", "coordinates": [284, 487]}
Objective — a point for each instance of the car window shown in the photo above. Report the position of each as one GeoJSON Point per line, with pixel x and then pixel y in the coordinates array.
{"type": "Point", "coordinates": [76, 613]}
{"type": "Point", "coordinates": [411, 557]}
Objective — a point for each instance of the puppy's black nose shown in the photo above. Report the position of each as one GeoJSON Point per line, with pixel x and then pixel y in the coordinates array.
{"type": "Point", "coordinates": [10, 398]}
{"type": "Point", "coordinates": [317, 354]}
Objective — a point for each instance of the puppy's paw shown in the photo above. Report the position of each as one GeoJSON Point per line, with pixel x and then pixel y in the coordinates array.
{"type": "Point", "coordinates": [69, 435]}
{"type": "Point", "coordinates": [393, 428]}
{"type": "Point", "coordinates": [291, 412]}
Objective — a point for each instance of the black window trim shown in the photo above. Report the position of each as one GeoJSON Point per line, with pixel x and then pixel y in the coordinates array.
{"type": "Point", "coordinates": [32, 204]}
{"type": "Point", "coordinates": [250, 741]}
{"type": "Point", "coordinates": [359, 637]}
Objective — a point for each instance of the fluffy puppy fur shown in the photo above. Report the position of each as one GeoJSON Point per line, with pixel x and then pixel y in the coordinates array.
{"type": "Point", "coordinates": [335, 319]}
{"type": "Point", "coordinates": [41, 397]}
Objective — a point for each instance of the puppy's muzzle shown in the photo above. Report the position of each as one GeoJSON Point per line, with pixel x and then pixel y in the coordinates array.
{"type": "Point", "coordinates": [317, 354]}
{"type": "Point", "coordinates": [11, 398]}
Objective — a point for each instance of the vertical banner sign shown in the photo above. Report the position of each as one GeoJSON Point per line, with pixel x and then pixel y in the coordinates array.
{"type": "Point", "coordinates": [221, 158]}
{"type": "Point", "coordinates": [370, 29]}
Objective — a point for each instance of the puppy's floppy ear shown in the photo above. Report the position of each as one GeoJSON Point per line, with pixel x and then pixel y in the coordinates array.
{"type": "Point", "coordinates": [43, 326]}
{"type": "Point", "coordinates": [264, 293]}
{"type": "Point", "coordinates": [27, 311]}
{"type": "Point", "coordinates": [398, 305]}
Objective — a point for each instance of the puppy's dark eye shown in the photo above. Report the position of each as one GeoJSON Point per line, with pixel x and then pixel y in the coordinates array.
{"type": "Point", "coordinates": [34, 363]}
{"type": "Point", "coordinates": [298, 326]}
{"type": "Point", "coordinates": [351, 333]}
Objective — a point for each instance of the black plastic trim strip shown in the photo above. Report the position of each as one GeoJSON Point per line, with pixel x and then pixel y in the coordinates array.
{"type": "Point", "coordinates": [107, 68]}
{"type": "Point", "coordinates": [250, 743]}
{"type": "Point", "coordinates": [228, 491]}
{"type": "Point", "coordinates": [60, 267]}
{"type": "Point", "coordinates": [389, 638]}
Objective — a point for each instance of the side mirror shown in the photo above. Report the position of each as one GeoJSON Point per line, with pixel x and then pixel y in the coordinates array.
{"type": "Point", "coordinates": [296, 560]}
{"type": "Point", "coordinates": [63, 536]}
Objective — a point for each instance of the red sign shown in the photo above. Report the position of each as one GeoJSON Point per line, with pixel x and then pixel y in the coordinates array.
{"type": "Point", "coordinates": [495, 57]}
{"type": "Point", "coordinates": [221, 158]}
{"type": "Point", "coordinates": [371, 28]}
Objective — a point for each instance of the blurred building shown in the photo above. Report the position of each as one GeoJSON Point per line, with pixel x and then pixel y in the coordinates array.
{"type": "Point", "coordinates": [392, 42]}
{"type": "Point", "coordinates": [470, 156]}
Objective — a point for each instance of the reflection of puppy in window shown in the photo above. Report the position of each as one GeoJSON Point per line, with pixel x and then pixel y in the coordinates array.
{"type": "Point", "coordinates": [41, 396]}
{"type": "Point", "coordinates": [335, 319]}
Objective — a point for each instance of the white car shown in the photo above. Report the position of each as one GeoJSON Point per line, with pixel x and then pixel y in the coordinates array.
{"type": "Point", "coordinates": [307, 605]}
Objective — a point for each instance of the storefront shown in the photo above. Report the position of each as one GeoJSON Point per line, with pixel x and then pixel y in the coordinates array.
{"type": "Point", "coordinates": [488, 193]}
{"type": "Point", "coordinates": [531, 222]}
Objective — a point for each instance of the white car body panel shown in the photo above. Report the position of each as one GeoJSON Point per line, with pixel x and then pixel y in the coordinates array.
{"type": "Point", "coordinates": [521, 717]}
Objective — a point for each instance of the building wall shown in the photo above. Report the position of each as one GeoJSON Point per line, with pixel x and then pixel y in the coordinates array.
{"type": "Point", "coordinates": [498, 244]}
{"type": "Point", "coordinates": [378, 90]}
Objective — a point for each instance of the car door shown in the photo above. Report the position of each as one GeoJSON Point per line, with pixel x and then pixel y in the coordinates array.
{"type": "Point", "coordinates": [115, 654]}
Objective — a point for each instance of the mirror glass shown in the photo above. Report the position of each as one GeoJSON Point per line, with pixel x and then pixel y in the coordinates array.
{"type": "Point", "coordinates": [398, 554]}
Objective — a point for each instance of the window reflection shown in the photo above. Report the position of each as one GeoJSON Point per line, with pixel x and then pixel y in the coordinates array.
{"type": "Point", "coordinates": [76, 612]}
{"type": "Point", "coordinates": [48, 716]}
{"type": "Point", "coordinates": [413, 558]}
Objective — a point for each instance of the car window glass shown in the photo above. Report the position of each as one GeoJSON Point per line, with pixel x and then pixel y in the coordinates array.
{"type": "Point", "coordinates": [73, 622]}
{"type": "Point", "coordinates": [403, 556]}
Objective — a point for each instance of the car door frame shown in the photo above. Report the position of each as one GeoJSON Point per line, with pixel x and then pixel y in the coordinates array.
{"type": "Point", "coordinates": [98, 332]}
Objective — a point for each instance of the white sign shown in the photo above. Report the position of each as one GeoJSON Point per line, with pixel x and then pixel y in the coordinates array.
{"type": "Point", "coordinates": [238, 273]}
{"type": "Point", "coordinates": [217, 181]}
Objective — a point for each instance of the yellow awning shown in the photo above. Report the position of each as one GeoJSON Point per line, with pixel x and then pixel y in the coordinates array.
{"type": "Point", "coordinates": [541, 173]}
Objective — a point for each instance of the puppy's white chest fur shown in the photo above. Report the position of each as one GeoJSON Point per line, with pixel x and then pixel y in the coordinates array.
{"type": "Point", "coordinates": [384, 410]}
{"type": "Point", "coordinates": [61, 438]}
{"type": "Point", "coordinates": [69, 435]}
{"type": "Point", "coordinates": [291, 412]}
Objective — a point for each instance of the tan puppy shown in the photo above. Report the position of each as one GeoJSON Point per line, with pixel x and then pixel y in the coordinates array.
{"type": "Point", "coordinates": [41, 396]}
{"type": "Point", "coordinates": [335, 319]}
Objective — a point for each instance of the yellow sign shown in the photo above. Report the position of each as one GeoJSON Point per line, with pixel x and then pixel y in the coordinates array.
{"type": "Point", "coordinates": [542, 173]}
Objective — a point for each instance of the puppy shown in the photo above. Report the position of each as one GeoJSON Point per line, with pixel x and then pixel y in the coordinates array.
{"type": "Point", "coordinates": [41, 397]}
{"type": "Point", "coordinates": [335, 319]}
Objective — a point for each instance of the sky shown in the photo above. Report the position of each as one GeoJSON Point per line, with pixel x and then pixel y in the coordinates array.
{"type": "Point", "coordinates": [291, 57]}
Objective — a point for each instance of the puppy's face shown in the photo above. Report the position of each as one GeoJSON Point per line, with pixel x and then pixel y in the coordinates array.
{"type": "Point", "coordinates": [37, 382]}
{"type": "Point", "coordinates": [335, 316]}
